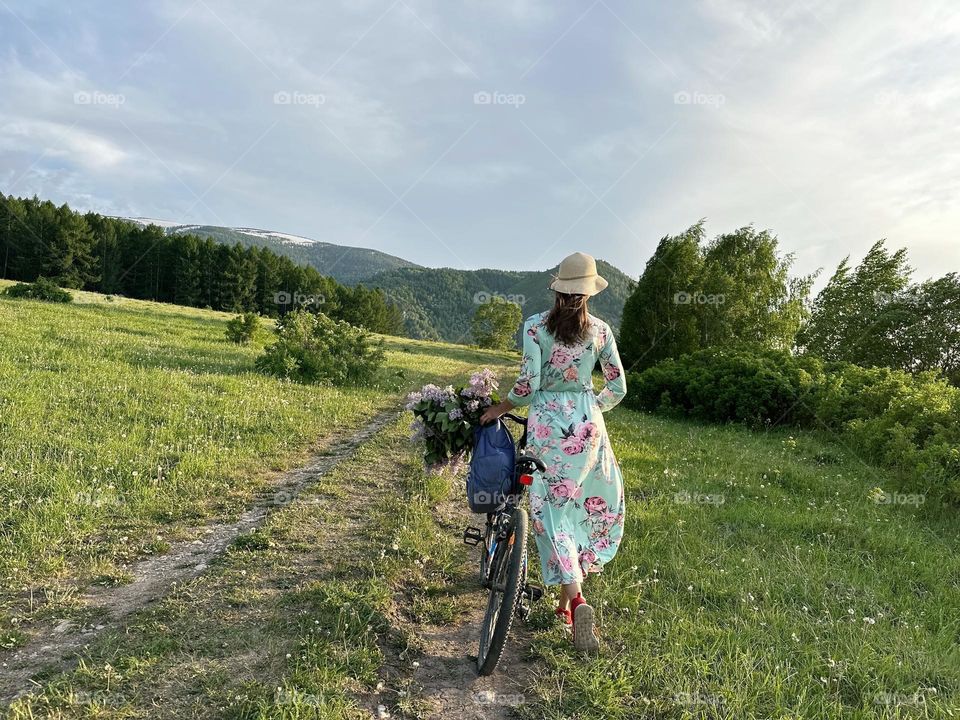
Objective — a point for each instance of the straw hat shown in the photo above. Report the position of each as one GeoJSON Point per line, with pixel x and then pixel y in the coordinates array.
{"type": "Point", "coordinates": [577, 275]}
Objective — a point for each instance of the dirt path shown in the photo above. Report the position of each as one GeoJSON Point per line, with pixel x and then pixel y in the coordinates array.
{"type": "Point", "coordinates": [445, 681]}
{"type": "Point", "coordinates": [53, 647]}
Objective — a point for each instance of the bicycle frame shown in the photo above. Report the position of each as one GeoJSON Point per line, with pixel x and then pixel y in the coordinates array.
{"type": "Point", "coordinates": [498, 522]}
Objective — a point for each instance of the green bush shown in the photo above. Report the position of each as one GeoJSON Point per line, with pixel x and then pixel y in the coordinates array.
{"type": "Point", "coordinates": [755, 386]}
{"type": "Point", "coordinates": [42, 289]}
{"type": "Point", "coordinates": [242, 328]}
{"type": "Point", "coordinates": [908, 422]}
{"type": "Point", "coordinates": [312, 348]}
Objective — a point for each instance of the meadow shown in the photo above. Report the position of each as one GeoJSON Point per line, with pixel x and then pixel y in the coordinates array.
{"type": "Point", "coordinates": [125, 423]}
{"type": "Point", "coordinates": [762, 575]}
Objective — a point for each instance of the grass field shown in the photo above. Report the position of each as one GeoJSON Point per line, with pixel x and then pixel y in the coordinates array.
{"type": "Point", "coordinates": [758, 579]}
{"type": "Point", "coordinates": [124, 423]}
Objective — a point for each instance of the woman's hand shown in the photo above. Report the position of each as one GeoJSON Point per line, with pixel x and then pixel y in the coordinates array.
{"type": "Point", "coordinates": [495, 411]}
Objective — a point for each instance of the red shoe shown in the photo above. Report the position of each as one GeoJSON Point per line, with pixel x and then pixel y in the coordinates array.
{"type": "Point", "coordinates": [565, 617]}
{"type": "Point", "coordinates": [584, 635]}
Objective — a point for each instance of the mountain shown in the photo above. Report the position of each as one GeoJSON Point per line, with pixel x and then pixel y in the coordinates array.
{"type": "Point", "coordinates": [438, 303]}
{"type": "Point", "coordinates": [348, 265]}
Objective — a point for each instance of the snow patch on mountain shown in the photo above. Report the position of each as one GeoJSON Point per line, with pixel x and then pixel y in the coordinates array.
{"type": "Point", "coordinates": [283, 237]}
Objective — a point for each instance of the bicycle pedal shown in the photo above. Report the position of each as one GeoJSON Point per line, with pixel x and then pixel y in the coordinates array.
{"type": "Point", "coordinates": [534, 592]}
{"type": "Point", "coordinates": [472, 536]}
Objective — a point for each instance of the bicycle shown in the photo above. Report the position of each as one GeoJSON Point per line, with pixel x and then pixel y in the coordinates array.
{"type": "Point", "coordinates": [503, 559]}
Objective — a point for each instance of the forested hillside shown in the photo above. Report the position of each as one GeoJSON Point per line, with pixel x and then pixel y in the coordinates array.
{"type": "Point", "coordinates": [108, 255]}
{"type": "Point", "coordinates": [345, 264]}
{"type": "Point", "coordinates": [243, 269]}
{"type": "Point", "coordinates": [438, 303]}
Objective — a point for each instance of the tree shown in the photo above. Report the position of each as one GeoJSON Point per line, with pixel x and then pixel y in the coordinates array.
{"type": "Point", "coordinates": [847, 315]}
{"type": "Point", "coordinates": [69, 254]}
{"type": "Point", "coordinates": [187, 273]}
{"type": "Point", "coordinates": [735, 290]}
{"type": "Point", "coordinates": [918, 328]}
{"type": "Point", "coordinates": [495, 322]}
{"type": "Point", "coordinates": [656, 325]}
{"type": "Point", "coordinates": [238, 280]}
{"type": "Point", "coordinates": [750, 296]}
{"type": "Point", "coordinates": [104, 254]}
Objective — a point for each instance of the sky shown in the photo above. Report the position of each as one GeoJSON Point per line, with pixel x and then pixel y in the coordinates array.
{"type": "Point", "coordinates": [494, 133]}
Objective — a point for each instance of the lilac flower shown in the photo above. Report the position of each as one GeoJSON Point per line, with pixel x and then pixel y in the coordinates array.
{"type": "Point", "coordinates": [461, 403]}
{"type": "Point", "coordinates": [482, 384]}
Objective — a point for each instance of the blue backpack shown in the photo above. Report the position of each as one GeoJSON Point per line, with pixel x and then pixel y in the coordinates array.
{"type": "Point", "coordinates": [490, 477]}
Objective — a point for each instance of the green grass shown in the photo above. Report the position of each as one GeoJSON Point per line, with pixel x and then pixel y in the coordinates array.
{"type": "Point", "coordinates": [758, 581]}
{"type": "Point", "coordinates": [124, 423]}
{"type": "Point", "coordinates": [296, 620]}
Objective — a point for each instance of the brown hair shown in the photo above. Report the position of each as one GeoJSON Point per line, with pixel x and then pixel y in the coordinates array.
{"type": "Point", "coordinates": [568, 320]}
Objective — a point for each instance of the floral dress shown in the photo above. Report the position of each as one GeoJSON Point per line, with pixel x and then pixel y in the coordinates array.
{"type": "Point", "coordinates": [577, 505]}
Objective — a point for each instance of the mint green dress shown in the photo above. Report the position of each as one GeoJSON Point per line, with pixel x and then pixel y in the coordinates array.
{"type": "Point", "coordinates": [577, 505]}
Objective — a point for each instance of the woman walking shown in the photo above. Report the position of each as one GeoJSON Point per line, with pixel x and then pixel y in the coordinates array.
{"type": "Point", "coordinates": [577, 506]}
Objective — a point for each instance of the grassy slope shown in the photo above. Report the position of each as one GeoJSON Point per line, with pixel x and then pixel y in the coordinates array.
{"type": "Point", "coordinates": [794, 597]}
{"type": "Point", "coordinates": [296, 620]}
{"type": "Point", "coordinates": [757, 580]}
{"type": "Point", "coordinates": [753, 607]}
{"type": "Point", "coordinates": [122, 423]}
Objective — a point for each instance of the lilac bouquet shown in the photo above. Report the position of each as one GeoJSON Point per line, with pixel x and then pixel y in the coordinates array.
{"type": "Point", "coordinates": [444, 419]}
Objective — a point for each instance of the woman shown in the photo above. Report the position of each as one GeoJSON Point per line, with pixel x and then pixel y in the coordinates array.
{"type": "Point", "coordinates": [577, 506]}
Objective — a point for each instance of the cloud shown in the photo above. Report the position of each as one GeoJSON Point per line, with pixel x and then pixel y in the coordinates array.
{"type": "Point", "coordinates": [837, 124]}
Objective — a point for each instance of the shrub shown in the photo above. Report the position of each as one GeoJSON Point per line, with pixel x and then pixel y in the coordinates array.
{"type": "Point", "coordinates": [907, 422]}
{"type": "Point", "coordinates": [754, 386]}
{"type": "Point", "coordinates": [242, 328]}
{"type": "Point", "coordinates": [312, 348]}
{"type": "Point", "coordinates": [41, 289]}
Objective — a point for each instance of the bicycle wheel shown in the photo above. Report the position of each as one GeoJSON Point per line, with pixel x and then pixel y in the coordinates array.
{"type": "Point", "coordinates": [506, 584]}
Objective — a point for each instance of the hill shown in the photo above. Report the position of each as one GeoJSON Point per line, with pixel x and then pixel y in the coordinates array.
{"type": "Point", "coordinates": [344, 263]}
{"type": "Point", "coordinates": [438, 303]}
{"type": "Point", "coordinates": [758, 576]}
